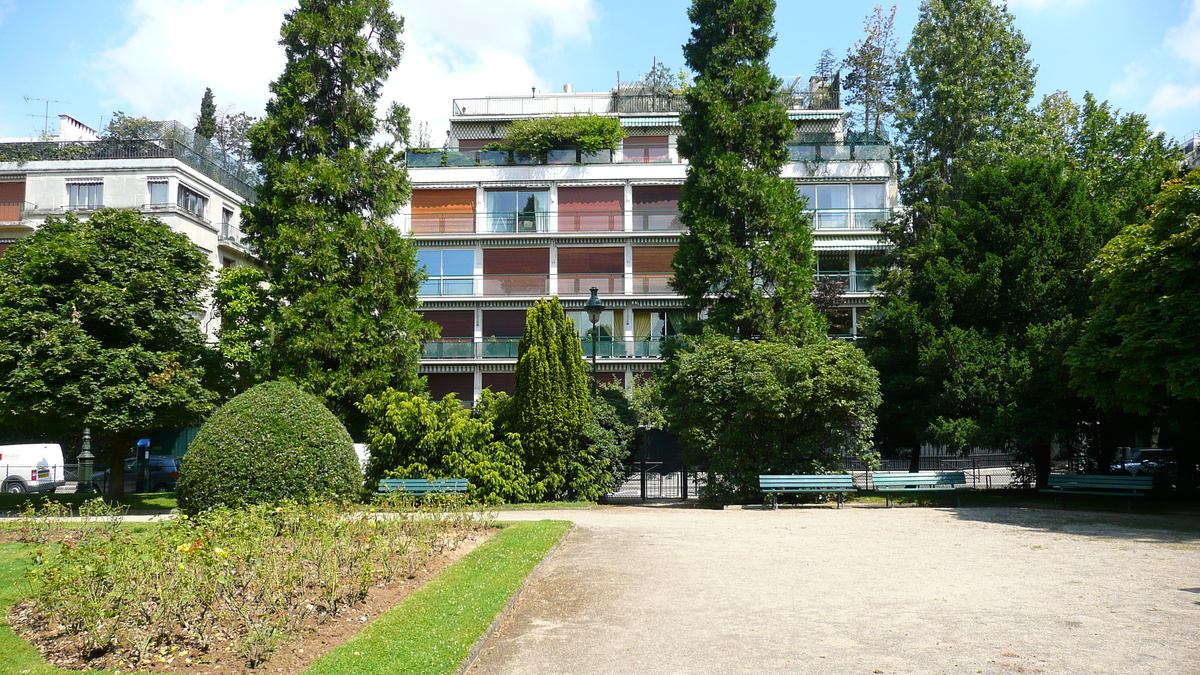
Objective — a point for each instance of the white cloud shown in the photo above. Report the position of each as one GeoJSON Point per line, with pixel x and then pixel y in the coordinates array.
{"type": "Point", "coordinates": [453, 48]}
{"type": "Point", "coordinates": [1184, 40]}
{"type": "Point", "coordinates": [1171, 97]}
{"type": "Point", "coordinates": [178, 48]}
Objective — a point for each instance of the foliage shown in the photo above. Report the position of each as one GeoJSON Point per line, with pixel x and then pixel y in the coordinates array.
{"type": "Point", "coordinates": [747, 252]}
{"type": "Point", "coordinates": [963, 85]}
{"type": "Point", "coordinates": [231, 135]}
{"type": "Point", "coordinates": [746, 408]}
{"type": "Point", "coordinates": [611, 433]}
{"type": "Point", "coordinates": [646, 399]}
{"type": "Point", "coordinates": [244, 303]}
{"type": "Point", "coordinates": [537, 136]}
{"type": "Point", "coordinates": [662, 80]}
{"type": "Point", "coordinates": [343, 281]}
{"type": "Point", "coordinates": [434, 630]}
{"type": "Point", "coordinates": [1138, 350]}
{"type": "Point", "coordinates": [413, 437]}
{"type": "Point", "coordinates": [268, 444]}
{"type": "Point", "coordinates": [255, 575]}
{"type": "Point", "coordinates": [551, 405]}
{"type": "Point", "coordinates": [98, 329]}
{"type": "Point", "coordinates": [122, 127]}
{"type": "Point", "coordinates": [992, 302]}
{"type": "Point", "coordinates": [1121, 158]}
{"type": "Point", "coordinates": [206, 121]}
{"type": "Point", "coordinates": [827, 66]}
{"type": "Point", "coordinates": [870, 80]}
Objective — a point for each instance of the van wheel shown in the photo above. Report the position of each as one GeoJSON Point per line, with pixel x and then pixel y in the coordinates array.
{"type": "Point", "coordinates": [14, 488]}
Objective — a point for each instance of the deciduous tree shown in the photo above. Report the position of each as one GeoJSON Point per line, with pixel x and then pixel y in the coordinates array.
{"type": "Point", "coordinates": [747, 408]}
{"type": "Point", "coordinates": [98, 329]}
{"type": "Point", "coordinates": [1138, 351]}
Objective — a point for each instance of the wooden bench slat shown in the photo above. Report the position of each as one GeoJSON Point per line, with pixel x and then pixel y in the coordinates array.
{"type": "Point", "coordinates": [418, 486]}
{"type": "Point", "coordinates": [777, 484]}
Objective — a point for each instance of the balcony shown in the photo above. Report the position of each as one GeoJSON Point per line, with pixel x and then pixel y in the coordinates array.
{"type": "Point", "coordinates": [846, 219]}
{"type": "Point", "coordinates": [14, 212]}
{"type": "Point", "coordinates": [538, 285]}
{"type": "Point", "coordinates": [521, 222]}
{"type": "Point", "coordinates": [508, 348]}
{"type": "Point", "coordinates": [232, 235]}
{"type": "Point", "coordinates": [830, 151]}
{"type": "Point", "coordinates": [860, 281]}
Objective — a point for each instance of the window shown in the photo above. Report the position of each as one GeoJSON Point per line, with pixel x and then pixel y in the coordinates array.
{"type": "Point", "coordinates": [191, 201]}
{"type": "Point", "coordinates": [85, 195]}
{"type": "Point", "coordinates": [158, 193]}
{"type": "Point", "coordinates": [450, 271]}
{"type": "Point", "coordinates": [833, 204]}
{"type": "Point", "coordinates": [517, 210]}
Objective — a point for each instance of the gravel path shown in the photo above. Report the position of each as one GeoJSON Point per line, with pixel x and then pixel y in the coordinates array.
{"type": "Point", "coordinates": [858, 590]}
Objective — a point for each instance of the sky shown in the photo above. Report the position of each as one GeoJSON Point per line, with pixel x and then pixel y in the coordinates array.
{"type": "Point", "coordinates": [89, 58]}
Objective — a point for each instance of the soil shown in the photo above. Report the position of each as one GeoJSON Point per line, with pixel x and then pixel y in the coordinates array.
{"type": "Point", "coordinates": [293, 656]}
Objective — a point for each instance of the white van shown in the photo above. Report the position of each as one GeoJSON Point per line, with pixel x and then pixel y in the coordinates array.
{"type": "Point", "coordinates": [34, 467]}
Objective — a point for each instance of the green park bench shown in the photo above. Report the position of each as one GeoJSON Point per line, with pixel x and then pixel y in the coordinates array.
{"type": "Point", "coordinates": [921, 481]}
{"type": "Point", "coordinates": [421, 487]}
{"type": "Point", "coordinates": [1107, 486]}
{"type": "Point", "coordinates": [840, 483]}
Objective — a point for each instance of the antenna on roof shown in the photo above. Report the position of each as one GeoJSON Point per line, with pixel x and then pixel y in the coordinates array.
{"type": "Point", "coordinates": [45, 117]}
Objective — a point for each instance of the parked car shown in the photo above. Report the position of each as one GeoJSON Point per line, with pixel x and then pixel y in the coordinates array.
{"type": "Point", "coordinates": [31, 467]}
{"type": "Point", "coordinates": [1147, 462]}
{"type": "Point", "coordinates": [164, 474]}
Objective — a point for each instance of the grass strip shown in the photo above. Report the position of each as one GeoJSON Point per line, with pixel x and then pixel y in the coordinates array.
{"type": "Point", "coordinates": [150, 501]}
{"type": "Point", "coordinates": [434, 629]}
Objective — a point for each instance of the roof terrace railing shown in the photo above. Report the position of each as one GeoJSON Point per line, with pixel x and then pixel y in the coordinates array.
{"type": "Point", "coordinates": [170, 140]}
{"type": "Point", "coordinates": [619, 101]}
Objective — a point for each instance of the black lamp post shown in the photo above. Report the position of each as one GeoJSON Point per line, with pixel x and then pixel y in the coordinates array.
{"type": "Point", "coordinates": [85, 460]}
{"type": "Point", "coordinates": [594, 306]}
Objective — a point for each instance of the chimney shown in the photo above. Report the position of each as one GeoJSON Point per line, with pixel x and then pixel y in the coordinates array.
{"type": "Point", "coordinates": [568, 89]}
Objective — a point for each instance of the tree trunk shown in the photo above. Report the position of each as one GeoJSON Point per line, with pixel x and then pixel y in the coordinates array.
{"type": "Point", "coordinates": [118, 448]}
{"type": "Point", "coordinates": [914, 459]}
{"type": "Point", "coordinates": [1040, 450]}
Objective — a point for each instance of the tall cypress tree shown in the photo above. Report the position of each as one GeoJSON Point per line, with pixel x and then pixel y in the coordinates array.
{"type": "Point", "coordinates": [206, 122]}
{"type": "Point", "coordinates": [551, 399]}
{"type": "Point", "coordinates": [747, 255]}
{"type": "Point", "coordinates": [343, 281]}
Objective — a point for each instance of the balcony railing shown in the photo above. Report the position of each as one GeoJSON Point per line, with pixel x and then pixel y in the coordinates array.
{"type": "Point", "coordinates": [517, 222]}
{"type": "Point", "coordinates": [591, 221]}
{"type": "Point", "coordinates": [541, 284]}
{"type": "Point", "coordinates": [860, 281]}
{"type": "Point", "coordinates": [657, 220]}
{"type": "Point", "coordinates": [170, 140]}
{"type": "Point", "coordinates": [634, 98]}
{"type": "Point", "coordinates": [845, 219]}
{"type": "Point", "coordinates": [14, 212]}
{"type": "Point", "coordinates": [812, 151]}
{"type": "Point", "coordinates": [231, 234]}
{"type": "Point", "coordinates": [579, 284]}
{"type": "Point", "coordinates": [508, 347]}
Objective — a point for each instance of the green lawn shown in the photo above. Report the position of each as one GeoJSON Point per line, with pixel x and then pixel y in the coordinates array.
{"type": "Point", "coordinates": [151, 501]}
{"type": "Point", "coordinates": [431, 632]}
{"type": "Point", "coordinates": [435, 628]}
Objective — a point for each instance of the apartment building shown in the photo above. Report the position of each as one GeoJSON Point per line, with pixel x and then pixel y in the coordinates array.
{"type": "Point", "coordinates": [496, 232]}
{"type": "Point", "coordinates": [166, 173]}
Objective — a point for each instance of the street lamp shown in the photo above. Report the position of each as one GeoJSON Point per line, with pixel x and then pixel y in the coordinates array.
{"type": "Point", "coordinates": [594, 306]}
{"type": "Point", "coordinates": [85, 460]}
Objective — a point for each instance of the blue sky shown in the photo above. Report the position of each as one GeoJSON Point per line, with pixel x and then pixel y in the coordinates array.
{"type": "Point", "coordinates": [155, 57]}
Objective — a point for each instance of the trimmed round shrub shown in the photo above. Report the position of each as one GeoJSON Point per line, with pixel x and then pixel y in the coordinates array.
{"type": "Point", "coordinates": [268, 444]}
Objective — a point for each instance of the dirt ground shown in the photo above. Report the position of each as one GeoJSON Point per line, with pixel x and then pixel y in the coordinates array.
{"type": "Point", "coordinates": [858, 590]}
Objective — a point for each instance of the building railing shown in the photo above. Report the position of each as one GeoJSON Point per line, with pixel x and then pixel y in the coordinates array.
{"type": "Point", "coordinates": [543, 284]}
{"type": "Point", "coordinates": [812, 151]}
{"type": "Point", "coordinates": [508, 347]}
{"type": "Point", "coordinates": [232, 234]}
{"type": "Point", "coordinates": [14, 212]}
{"type": "Point", "coordinates": [859, 281]}
{"type": "Point", "coordinates": [633, 99]}
{"type": "Point", "coordinates": [170, 140]}
{"type": "Point", "coordinates": [847, 219]}
{"type": "Point", "coordinates": [516, 222]}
